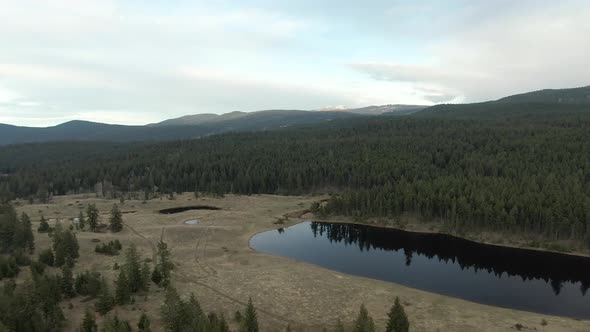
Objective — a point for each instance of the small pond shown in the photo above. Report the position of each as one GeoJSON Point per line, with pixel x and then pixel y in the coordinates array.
{"type": "Point", "coordinates": [181, 209]}
{"type": "Point", "coordinates": [536, 281]}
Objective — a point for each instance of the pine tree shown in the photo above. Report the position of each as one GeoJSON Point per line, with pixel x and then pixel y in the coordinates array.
{"type": "Point", "coordinates": [173, 311]}
{"type": "Point", "coordinates": [250, 319]}
{"type": "Point", "coordinates": [156, 276]}
{"type": "Point", "coordinates": [105, 301]}
{"type": "Point", "coordinates": [164, 264]}
{"type": "Point", "coordinates": [364, 322]}
{"type": "Point", "coordinates": [133, 269]}
{"type": "Point", "coordinates": [43, 225]}
{"type": "Point", "coordinates": [144, 323]}
{"type": "Point", "coordinates": [116, 219]}
{"type": "Point", "coordinates": [123, 291]}
{"type": "Point", "coordinates": [81, 220]}
{"type": "Point", "coordinates": [28, 237]}
{"type": "Point", "coordinates": [398, 321]}
{"type": "Point", "coordinates": [221, 325]}
{"type": "Point", "coordinates": [196, 315]}
{"type": "Point", "coordinates": [115, 324]}
{"type": "Point", "coordinates": [65, 245]}
{"type": "Point", "coordinates": [145, 276]}
{"type": "Point", "coordinates": [67, 282]}
{"type": "Point", "coordinates": [89, 322]}
{"type": "Point", "coordinates": [59, 249]}
{"type": "Point", "coordinates": [92, 214]}
{"type": "Point", "coordinates": [9, 228]}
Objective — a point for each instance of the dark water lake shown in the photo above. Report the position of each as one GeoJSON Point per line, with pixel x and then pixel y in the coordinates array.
{"type": "Point", "coordinates": [541, 282]}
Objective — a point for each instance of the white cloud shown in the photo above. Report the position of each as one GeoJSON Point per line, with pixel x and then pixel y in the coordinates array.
{"type": "Point", "coordinates": [7, 96]}
{"type": "Point", "coordinates": [139, 62]}
{"type": "Point", "coordinates": [533, 45]}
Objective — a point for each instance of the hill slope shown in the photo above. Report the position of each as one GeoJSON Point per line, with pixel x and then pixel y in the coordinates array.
{"type": "Point", "coordinates": [538, 105]}
{"type": "Point", "coordinates": [562, 96]}
{"type": "Point", "coordinates": [91, 131]}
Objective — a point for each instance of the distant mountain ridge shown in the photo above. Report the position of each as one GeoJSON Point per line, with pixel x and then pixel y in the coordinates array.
{"type": "Point", "coordinates": [237, 121]}
{"type": "Point", "coordinates": [207, 118]}
{"type": "Point", "coordinates": [579, 95]}
{"type": "Point", "coordinates": [548, 104]}
{"type": "Point", "coordinates": [200, 119]}
{"type": "Point", "coordinates": [392, 109]}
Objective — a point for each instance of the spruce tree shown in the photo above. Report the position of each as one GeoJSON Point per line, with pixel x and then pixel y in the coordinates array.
{"type": "Point", "coordinates": [156, 276]}
{"type": "Point", "coordinates": [65, 245]}
{"type": "Point", "coordinates": [144, 323]}
{"type": "Point", "coordinates": [113, 323]}
{"type": "Point", "coordinates": [164, 264]}
{"type": "Point", "coordinates": [116, 219]}
{"type": "Point", "coordinates": [67, 282]}
{"type": "Point", "coordinates": [173, 311]}
{"type": "Point", "coordinates": [9, 228]}
{"type": "Point", "coordinates": [43, 225]}
{"type": "Point", "coordinates": [133, 269]}
{"type": "Point", "coordinates": [364, 322]}
{"type": "Point", "coordinates": [398, 320]}
{"type": "Point", "coordinates": [28, 237]}
{"type": "Point", "coordinates": [92, 214]}
{"type": "Point", "coordinates": [89, 322]}
{"type": "Point", "coordinates": [81, 220]}
{"type": "Point", "coordinates": [145, 276]}
{"type": "Point", "coordinates": [123, 291]}
{"type": "Point", "coordinates": [250, 319]}
{"type": "Point", "coordinates": [105, 301]}
{"type": "Point", "coordinates": [59, 249]}
{"type": "Point", "coordinates": [199, 319]}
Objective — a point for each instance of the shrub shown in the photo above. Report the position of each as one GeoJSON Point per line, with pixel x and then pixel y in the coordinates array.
{"type": "Point", "coordinates": [112, 248]}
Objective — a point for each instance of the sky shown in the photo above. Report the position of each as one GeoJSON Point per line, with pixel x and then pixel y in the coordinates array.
{"type": "Point", "coordinates": [143, 61]}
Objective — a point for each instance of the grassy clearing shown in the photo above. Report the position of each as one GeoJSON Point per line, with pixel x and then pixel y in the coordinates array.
{"type": "Point", "coordinates": [214, 261]}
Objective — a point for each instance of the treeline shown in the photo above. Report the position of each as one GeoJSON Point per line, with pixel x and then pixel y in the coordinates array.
{"type": "Point", "coordinates": [16, 241]}
{"type": "Point", "coordinates": [524, 175]}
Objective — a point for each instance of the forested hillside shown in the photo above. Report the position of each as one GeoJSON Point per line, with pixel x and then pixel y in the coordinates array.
{"type": "Point", "coordinates": [579, 95]}
{"type": "Point", "coordinates": [530, 175]}
{"type": "Point", "coordinates": [168, 131]}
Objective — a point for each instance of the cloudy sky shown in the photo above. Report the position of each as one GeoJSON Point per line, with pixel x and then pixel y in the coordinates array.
{"type": "Point", "coordinates": [141, 61]}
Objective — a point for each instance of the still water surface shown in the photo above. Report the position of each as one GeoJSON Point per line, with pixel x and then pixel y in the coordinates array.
{"type": "Point", "coordinates": [514, 278]}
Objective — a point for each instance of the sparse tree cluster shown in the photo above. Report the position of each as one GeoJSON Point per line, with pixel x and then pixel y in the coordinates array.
{"type": "Point", "coordinates": [16, 241]}
{"type": "Point", "coordinates": [15, 232]}
{"type": "Point", "coordinates": [65, 246]}
{"type": "Point", "coordinates": [33, 305]}
{"type": "Point", "coordinates": [179, 315]}
{"type": "Point", "coordinates": [111, 248]}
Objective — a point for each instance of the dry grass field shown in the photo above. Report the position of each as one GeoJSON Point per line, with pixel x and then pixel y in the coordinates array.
{"type": "Point", "coordinates": [214, 261]}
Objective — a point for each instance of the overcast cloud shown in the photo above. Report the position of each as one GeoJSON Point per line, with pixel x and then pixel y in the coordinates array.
{"type": "Point", "coordinates": [137, 62]}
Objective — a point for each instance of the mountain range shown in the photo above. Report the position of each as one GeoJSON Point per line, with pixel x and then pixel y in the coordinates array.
{"type": "Point", "coordinates": [544, 103]}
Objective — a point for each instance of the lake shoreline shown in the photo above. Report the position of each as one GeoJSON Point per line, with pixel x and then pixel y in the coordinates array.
{"type": "Point", "coordinates": [539, 274]}
{"type": "Point", "coordinates": [422, 228]}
